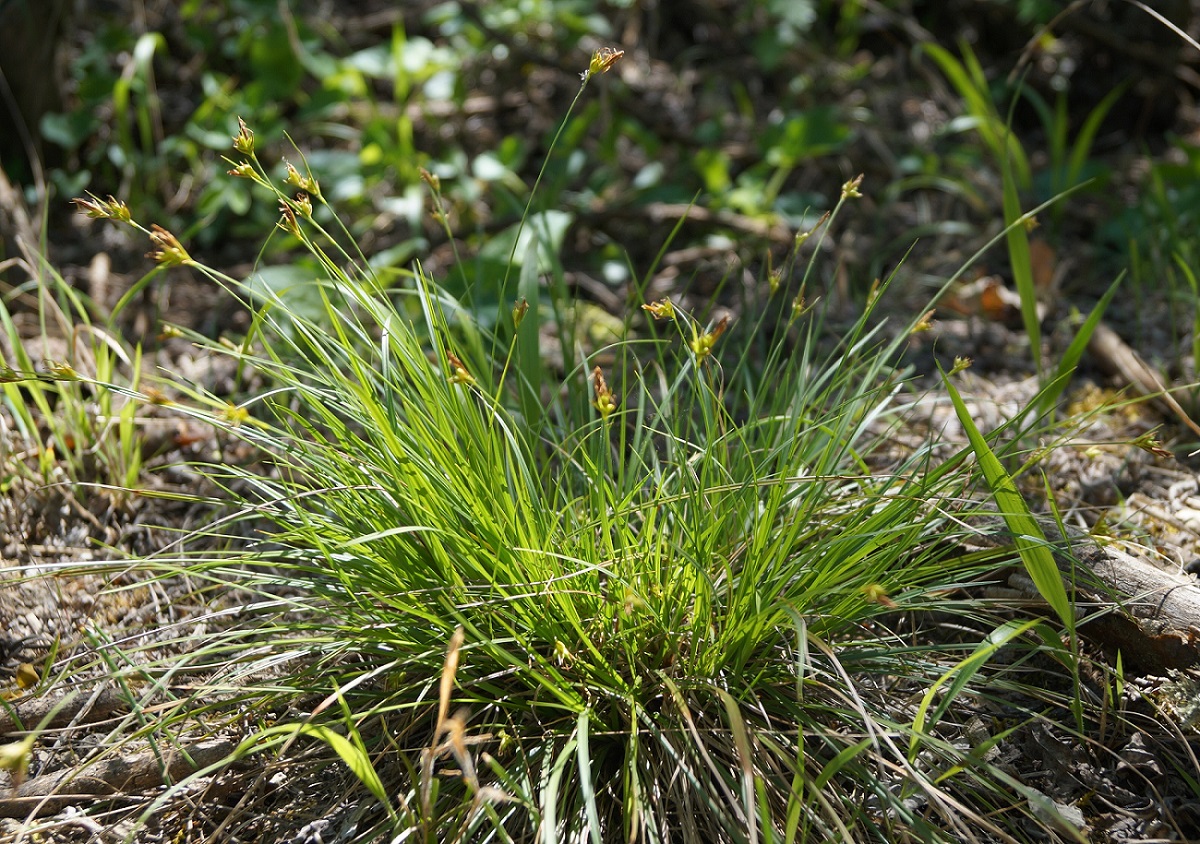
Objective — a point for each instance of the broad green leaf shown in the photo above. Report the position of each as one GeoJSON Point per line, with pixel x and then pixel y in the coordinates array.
{"type": "Point", "coordinates": [1028, 537]}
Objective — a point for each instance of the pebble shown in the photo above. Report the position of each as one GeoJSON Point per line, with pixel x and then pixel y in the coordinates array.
{"type": "Point", "coordinates": [1190, 517]}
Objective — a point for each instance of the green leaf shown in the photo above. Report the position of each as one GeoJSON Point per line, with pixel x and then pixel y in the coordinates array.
{"type": "Point", "coordinates": [1070, 358]}
{"type": "Point", "coordinates": [1087, 134]}
{"type": "Point", "coordinates": [356, 759]}
{"type": "Point", "coordinates": [968, 78]}
{"type": "Point", "coordinates": [296, 285]}
{"type": "Point", "coordinates": [548, 228]}
{"type": "Point", "coordinates": [1021, 263]}
{"type": "Point", "coordinates": [809, 134]}
{"type": "Point", "coordinates": [961, 674]}
{"type": "Point", "coordinates": [1028, 537]}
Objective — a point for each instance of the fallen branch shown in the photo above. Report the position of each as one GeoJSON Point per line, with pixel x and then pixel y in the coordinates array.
{"type": "Point", "coordinates": [112, 776]}
{"type": "Point", "coordinates": [1116, 357]}
{"type": "Point", "coordinates": [1149, 615]}
{"type": "Point", "coordinates": [82, 709]}
{"type": "Point", "coordinates": [1156, 625]}
{"type": "Point", "coordinates": [1126, 604]}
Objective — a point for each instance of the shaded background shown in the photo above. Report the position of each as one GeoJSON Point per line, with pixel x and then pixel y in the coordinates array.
{"type": "Point", "coordinates": [756, 112]}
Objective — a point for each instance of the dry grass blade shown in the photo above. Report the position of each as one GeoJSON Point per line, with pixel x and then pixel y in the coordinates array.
{"type": "Point", "coordinates": [444, 725]}
{"type": "Point", "coordinates": [446, 686]}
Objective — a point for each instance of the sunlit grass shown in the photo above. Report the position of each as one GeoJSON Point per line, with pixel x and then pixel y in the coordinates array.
{"type": "Point", "coordinates": [677, 588]}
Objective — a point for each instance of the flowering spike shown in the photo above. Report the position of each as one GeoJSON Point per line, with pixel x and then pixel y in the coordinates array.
{"type": "Point", "coordinates": [168, 252]}
{"type": "Point", "coordinates": [702, 344]}
{"type": "Point", "coordinates": [602, 61]}
{"type": "Point", "coordinates": [243, 141]}
{"type": "Point", "coordinates": [801, 237]}
{"type": "Point", "coordinates": [287, 219]}
{"type": "Point", "coordinates": [798, 305]}
{"type": "Point", "coordinates": [775, 280]}
{"type": "Point", "coordinates": [562, 654]}
{"type": "Point", "coordinates": [233, 414]}
{"type": "Point", "coordinates": [306, 183]}
{"type": "Point", "coordinates": [876, 594]}
{"type": "Point", "coordinates": [460, 374]}
{"type": "Point", "coordinates": [119, 210]}
{"type": "Point", "coordinates": [61, 371]}
{"type": "Point", "coordinates": [242, 170]}
{"type": "Point", "coordinates": [924, 323]}
{"type": "Point", "coordinates": [293, 175]}
{"type": "Point", "coordinates": [1151, 444]}
{"type": "Point", "coordinates": [850, 189]}
{"type": "Point", "coordinates": [156, 396]}
{"type": "Point", "coordinates": [304, 204]}
{"type": "Point", "coordinates": [873, 292]}
{"type": "Point", "coordinates": [518, 312]}
{"type": "Point", "coordinates": [100, 209]}
{"type": "Point", "coordinates": [605, 403]}
{"type": "Point", "coordinates": [662, 309]}
{"type": "Point", "coordinates": [94, 208]}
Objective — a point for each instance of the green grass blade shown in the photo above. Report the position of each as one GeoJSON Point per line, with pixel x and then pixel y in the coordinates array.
{"type": "Point", "coordinates": [961, 674]}
{"type": "Point", "coordinates": [1028, 537]}
{"type": "Point", "coordinates": [741, 740]}
{"type": "Point", "coordinates": [355, 758]}
{"type": "Point", "coordinates": [1074, 352]}
{"type": "Point", "coordinates": [551, 793]}
{"type": "Point", "coordinates": [968, 78]}
{"type": "Point", "coordinates": [586, 786]}
{"type": "Point", "coordinates": [1082, 147]}
{"type": "Point", "coordinates": [1021, 263]}
{"type": "Point", "coordinates": [833, 766]}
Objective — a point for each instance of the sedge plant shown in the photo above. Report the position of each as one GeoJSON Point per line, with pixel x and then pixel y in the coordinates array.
{"type": "Point", "coordinates": [660, 601]}
{"type": "Point", "coordinates": [66, 432]}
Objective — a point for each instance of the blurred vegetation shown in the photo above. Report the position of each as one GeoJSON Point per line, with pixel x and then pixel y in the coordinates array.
{"type": "Point", "coordinates": [754, 111]}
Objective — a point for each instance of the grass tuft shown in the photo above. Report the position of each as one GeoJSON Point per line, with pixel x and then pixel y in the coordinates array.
{"type": "Point", "coordinates": [670, 588]}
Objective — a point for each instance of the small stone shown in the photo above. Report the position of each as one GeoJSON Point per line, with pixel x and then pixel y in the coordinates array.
{"type": "Point", "coordinates": [1190, 517]}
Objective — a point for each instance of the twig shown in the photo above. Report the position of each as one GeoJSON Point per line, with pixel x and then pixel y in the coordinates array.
{"type": "Point", "coordinates": [83, 709]}
{"type": "Point", "coordinates": [112, 776]}
{"type": "Point", "coordinates": [1115, 355]}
